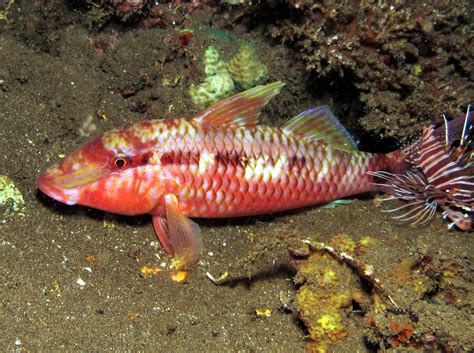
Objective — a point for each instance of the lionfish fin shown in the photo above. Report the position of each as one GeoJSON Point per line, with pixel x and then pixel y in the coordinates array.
{"type": "Point", "coordinates": [322, 125]}
{"type": "Point", "coordinates": [440, 174]}
{"type": "Point", "coordinates": [466, 128]}
{"type": "Point", "coordinates": [242, 109]}
{"type": "Point", "coordinates": [460, 128]}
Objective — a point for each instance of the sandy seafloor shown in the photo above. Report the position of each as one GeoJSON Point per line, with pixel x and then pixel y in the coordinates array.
{"type": "Point", "coordinates": [45, 98]}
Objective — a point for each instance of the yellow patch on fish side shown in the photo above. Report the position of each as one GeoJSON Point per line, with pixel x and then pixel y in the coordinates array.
{"type": "Point", "coordinates": [114, 141]}
{"type": "Point", "coordinates": [144, 131]}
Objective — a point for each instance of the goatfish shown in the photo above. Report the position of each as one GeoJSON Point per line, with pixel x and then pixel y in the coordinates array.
{"type": "Point", "coordinates": [219, 163]}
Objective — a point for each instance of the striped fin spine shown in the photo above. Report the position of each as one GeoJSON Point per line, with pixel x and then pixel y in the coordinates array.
{"type": "Point", "coordinates": [440, 174]}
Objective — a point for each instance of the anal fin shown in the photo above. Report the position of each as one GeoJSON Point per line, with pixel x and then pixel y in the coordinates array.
{"type": "Point", "coordinates": [178, 234]}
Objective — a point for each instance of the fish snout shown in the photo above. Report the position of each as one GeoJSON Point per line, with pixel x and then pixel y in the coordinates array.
{"type": "Point", "coordinates": [50, 184]}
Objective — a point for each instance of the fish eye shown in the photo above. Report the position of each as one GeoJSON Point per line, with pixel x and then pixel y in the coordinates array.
{"type": "Point", "coordinates": [120, 163]}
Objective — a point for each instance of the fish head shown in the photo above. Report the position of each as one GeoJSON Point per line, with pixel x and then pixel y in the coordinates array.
{"type": "Point", "coordinates": [109, 173]}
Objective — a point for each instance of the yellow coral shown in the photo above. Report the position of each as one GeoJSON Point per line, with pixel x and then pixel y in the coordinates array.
{"type": "Point", "coordinates": [245, 67]}
{"type": "Point", "coordinates": [341, 299]}
{"type": "Point", "coordinates": [263, 312]}
{"type": "Point", "coordinates": [148, 271]}
{"type": "Point", "coordinates": [179, 276]}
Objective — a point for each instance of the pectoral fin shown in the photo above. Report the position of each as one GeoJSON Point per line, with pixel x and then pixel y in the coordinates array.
{"type": "Point", "coordinates": [161, 229]}
{"type": "Point", "coordinates": [178, 234]}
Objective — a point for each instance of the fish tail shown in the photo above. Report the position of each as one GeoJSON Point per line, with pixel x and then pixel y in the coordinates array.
{"type": "Point", "coordinates": [436, 171]}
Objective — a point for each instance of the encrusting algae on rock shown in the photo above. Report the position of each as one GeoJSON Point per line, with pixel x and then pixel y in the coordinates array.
{"type": "Point", "coordinates": [11, 198]}
{"type": "Point", "coordinates": [327, 289]}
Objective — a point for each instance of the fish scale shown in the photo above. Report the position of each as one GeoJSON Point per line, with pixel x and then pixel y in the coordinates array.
{"type": "Point", "coordinates": [262, 180]}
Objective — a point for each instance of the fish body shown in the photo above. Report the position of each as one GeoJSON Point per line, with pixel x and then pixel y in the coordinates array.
{"type": "Point", "coordinates": [217, 164]}
{"type": "Point", "coordinates": [225, 171]}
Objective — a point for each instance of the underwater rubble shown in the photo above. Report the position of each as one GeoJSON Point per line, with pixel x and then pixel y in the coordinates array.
{"type": "Point", "coordinates": [336, 292]}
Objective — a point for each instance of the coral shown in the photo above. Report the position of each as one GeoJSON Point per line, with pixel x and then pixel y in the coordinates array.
{"type": "Point", "coordinates": [327, 290]}
{"type": "Point", "coordinates": [395, 332]}
{"type": "Point", "coordinates": [10, 197]}
{"type": "Point", "coordinates": [245, 67]}
{"type": "Point", "coordinates": [408, 62]}
{"type": "Point", "coordinates": [217, 84]}
{"type": "Point", "coordinates": [244, 70]}
{"type": "Point", "coordinates": [401, 333]}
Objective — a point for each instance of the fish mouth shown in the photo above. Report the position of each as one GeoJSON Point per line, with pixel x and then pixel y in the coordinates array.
{"type": "Point", "coordinates": [46, 183]}
{"type": "Point", "coordinates": [66, 187]}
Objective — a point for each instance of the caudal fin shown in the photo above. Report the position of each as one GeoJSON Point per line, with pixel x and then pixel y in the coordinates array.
{"type": "Point", "coordinates": [439, 172]}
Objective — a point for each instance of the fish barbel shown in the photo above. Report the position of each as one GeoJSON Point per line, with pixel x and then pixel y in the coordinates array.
{"type": "Point", "coordinates": [216, 164]}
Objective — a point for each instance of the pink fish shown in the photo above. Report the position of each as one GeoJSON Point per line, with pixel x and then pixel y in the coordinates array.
{"type": "Point", "coordinates": [218, 163]}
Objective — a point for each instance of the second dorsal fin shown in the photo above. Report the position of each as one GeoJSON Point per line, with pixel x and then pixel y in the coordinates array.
{"type": "Point", "coordinates": [321, 124]}
{"type": "Point", "coordinates": [241, 109]}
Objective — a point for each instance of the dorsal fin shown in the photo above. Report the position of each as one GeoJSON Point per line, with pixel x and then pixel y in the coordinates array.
{"type": "Point", "coordinates": [241, 109]}
{"type": "Point", "coordinates": [321, 124]}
